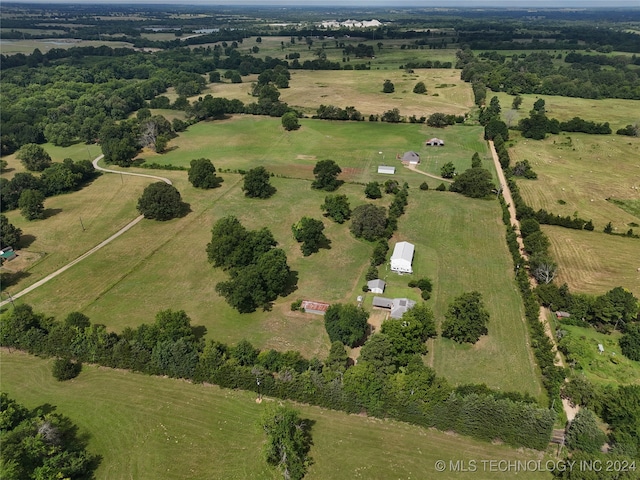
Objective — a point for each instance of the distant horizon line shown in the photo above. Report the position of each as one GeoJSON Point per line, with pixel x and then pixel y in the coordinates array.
{"type": "Point", "coordinates": [369, 4]}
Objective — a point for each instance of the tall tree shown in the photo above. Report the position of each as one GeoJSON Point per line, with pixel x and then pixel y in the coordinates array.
{"type": "Point", "coordinates": [466, 318]}
{"type": "Point", "coordinates": [290, 121]}
{"type": "Point", "coordinates": [31, 204]}
{"type": "Point", "coordinates": [372, 190]}
{"type": "Point", "coordinates": [583, 433]}
{"type": "Point", "coordinates": [9, 234]}
{"type": "Point", "coordinates": [202, 174]}
{"type": "Point", "coordinates": [33, 157]}
{"type": "Point", "coordinates": [288, 441]}
{"type": "Point", "coordinates": [474, 183]}
{"type": "Point", "coordinates": [369, 221]}
{"type": "Point", "coordinates": [309, 232]}
{"type": "Point", "coordinates": [41, 445]}
{"type": "Point", "coordinates": [517, 102]}
{"type": "Point", "coordinates": [257, 183]}
{"type": "Point", "coordinates": [160, 201]}
{"type": "Point", "coordinates": [326, 173]}
{"type": "Point", "coordinates": [346, 323]}
{"type": "Point", "coordinates": [337, 208]}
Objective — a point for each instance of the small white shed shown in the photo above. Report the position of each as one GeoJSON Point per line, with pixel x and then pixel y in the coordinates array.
{"type": "Point", "coordinates": [402, 257]}
{"type": "Point", "coordinates": [377, 285]}
{"type": "Point", "coordinates": [386, 170]}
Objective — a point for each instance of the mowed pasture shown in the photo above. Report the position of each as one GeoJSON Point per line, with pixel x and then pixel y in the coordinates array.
{"type": "Point", "coordinates": [161, 265]}
{"type": "Point", "coordinates": [594, 262]}
{"type": "Point", "coordinates": [151, 427]}
{"type": "Point", "coordinates": [459, 245]}
{"type": "Point", "coordinates": [361, 89]}
{"type": "Point", "coordinates": [583, 171]}
{"type": "Point", "coordinates": [246, 141]}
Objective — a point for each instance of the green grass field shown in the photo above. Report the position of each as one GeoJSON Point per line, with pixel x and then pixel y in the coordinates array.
{"type": "Point", "coordinates": [159, 265]}
{"type": "Point", "coordinates": [243, 142]}
{"type": "Point", "coordinates": [453, 238]}
{"type": "Point", "coordinates": [611, 365]}
{"type": "Point", "coordinates": [594, 262]}
{"type": "Point", "coordinates": [308, 89]}
{"type": "Point", "coordinates": [583, 172]}
{"type": "Point", "coordinates": [618, 112]}
{"type": "Point", "coordinates": [151, 427]}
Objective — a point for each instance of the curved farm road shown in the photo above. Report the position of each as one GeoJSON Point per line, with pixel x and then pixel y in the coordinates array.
{"type": "Point", "coordinates": [94, 249]}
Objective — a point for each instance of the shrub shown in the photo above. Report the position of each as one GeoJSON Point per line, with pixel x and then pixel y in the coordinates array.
{"type": "Point", "coordinates": [424, 186]}
{"type": "Point", "coordinates": [65, 369]}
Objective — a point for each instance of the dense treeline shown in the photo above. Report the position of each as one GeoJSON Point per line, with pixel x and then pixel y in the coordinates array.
{"type": "Point", "coordinates": [56, 179]}
{"type": "Point", "coordinates": [614, 309]}
{"type": "Point", "coordinates": [537, 73]}
{"type": "Point", "coordinates": [618, 406]}
{"type": "Point", "coordinates": [170, 347]}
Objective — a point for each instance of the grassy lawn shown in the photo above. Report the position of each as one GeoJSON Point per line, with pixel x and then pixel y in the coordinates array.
{"type": "Point", "coordinates": [582, 172]}
{"type": "Point", "coordinates": [594, 262]}
{"type": "Point", "coordinates": [609, 367]}
{"type": "Point", "coordinates": [459, 244]}
{"type": "Point", "coordinates": [160, 265]}
{"type": "Point", "coordinates": [151, 427]}
{"type": "Point", "coordinates": [243, 142]}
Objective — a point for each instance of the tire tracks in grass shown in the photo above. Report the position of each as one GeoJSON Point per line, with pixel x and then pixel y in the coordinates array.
{"type": "Point", "coordinates": [123, 230]}
{"type": "Point", "coordinates": [144, 259]}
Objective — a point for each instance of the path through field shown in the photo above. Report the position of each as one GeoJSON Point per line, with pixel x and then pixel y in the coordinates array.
{"type": "Point", "coordinates": [544, 312]}
{"type": "Point", "coordinates": [94, 249]}
{"type": "Point", "coordinates": [415, 169]}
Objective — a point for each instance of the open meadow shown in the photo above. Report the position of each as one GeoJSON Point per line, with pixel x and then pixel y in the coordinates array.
{"type": "Point", "coordinates": [618, 112]}
{"type": "Point", "coordinates": [152, 427]}
{"type": "Point", "coordinates": [362, 89]}
{"type": "Point", "coordinates": [459, 245]}
{"type": "Point", "coordinates": [579, 173]}
{"type": "Point", "coordinates": [247, 141]}
{"type": "Point", "coordinates": [594, 262]}
{"type": "Point", "coordinates": [160, 265]}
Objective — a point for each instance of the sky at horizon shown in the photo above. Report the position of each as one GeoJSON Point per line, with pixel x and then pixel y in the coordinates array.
{"type": "Point", "coordinates": [532, 4]}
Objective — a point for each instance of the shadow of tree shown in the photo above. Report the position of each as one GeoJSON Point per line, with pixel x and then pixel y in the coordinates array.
{"type": "Point", "coordinates": [8, 279]}
{"type": "Point", "coordinates": [50, 212]}
{"type": "Point", "coordinates": [26, 241]}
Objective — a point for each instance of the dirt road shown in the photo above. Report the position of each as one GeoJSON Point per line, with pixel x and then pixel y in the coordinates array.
{"type": "Point", "coordinates": [94, 249]}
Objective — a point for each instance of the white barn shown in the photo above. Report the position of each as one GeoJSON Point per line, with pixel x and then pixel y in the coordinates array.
{"type": "Point", "coordinates": [402, 257]}
{"type": "Point", "coordinates": [386, 170]}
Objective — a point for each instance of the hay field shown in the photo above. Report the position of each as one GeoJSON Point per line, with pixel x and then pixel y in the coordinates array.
{"type": "Point", "coordinates": [594, 262]}
{"type": "Point", "coordinates": [151, 427]}
{"type": "Point", "coordinates": [361, 89]}
{"type": "Point", "coordinates": [583, 171]}
{"type": "Point", "coordinates": [245, 141]}
{"type": "Point", "coordinates": [618, 112]}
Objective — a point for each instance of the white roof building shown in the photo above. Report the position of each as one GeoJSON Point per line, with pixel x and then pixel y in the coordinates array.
{"type": "Point", "coordinates": [402, 257]}
{"type": "Point", "coordinates": [387, 170]}
{"type": "Point", "coordinates": [377, 285]}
